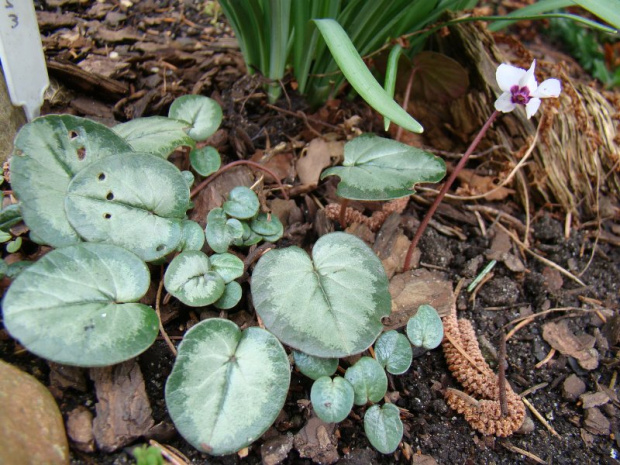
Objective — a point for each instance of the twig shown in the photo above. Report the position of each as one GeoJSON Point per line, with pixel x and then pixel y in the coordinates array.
{"type": "Point", "coordinates": [170, 454]}
{"type": "Point", "coordinates": [501, 374]}
{"type": "Point", "coordinates": [546, 359]}
{"type": "Point", "coordinates": [161, 326]}
{"type": "Point", "coordinates": [518, 450]}
{"type": "Point", "coordinates": [303, 116]}
{"type": "Point", "coordinates": [253, 164]}
{"type": "Point", "coordinates": [463, 352]}
{"type": "Point", "coordinates": [540, 417]}
{"type": "Point", "coordinates": [524, 320]}
{"type": "Point", "coordinates": [399, 132]}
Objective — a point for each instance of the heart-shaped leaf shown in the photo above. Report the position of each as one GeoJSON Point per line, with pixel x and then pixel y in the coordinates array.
{"type": "Point", "coordinates": [136, 201]}
{"type": "Point", "coordinates": [226, 387]}
{"type": "Point", "coordinates": [267, 226]}
{"type": "Point", "coordinates": [205, 160]}
{"type": "Point", "coordinates": [48, 152]}
{"type": "Point", "coordinates": [10, 216]}
{"type": "Point", "coordinates": [156, 134]}
{"type": "Point", "coordinates": [203, 114]}
{"type": "Point", "coordinates": [192, 236]}
{"type": "Point", "coordinates": [368, 379]}
{"type": "Point", "coordinates": [393, 351]}
{"type": "Point", "coordinates": [425, 329]}
{"type": "Point", "coordinates": [327, 306]}
{"type": "Point", "coordinates": [383, 427]}
{"type": "Point", "coordinates": [231, 296]}
{"type": "Point", "coordinates": [248, 238]}
{"type": "Point", "coordinates": [189, 178]}
{"type": "Point", "coordinates": [376, 168]}
{"type": "Point", "coordinates": [438, 77]}
{"type": "Point", "coordinates": [242, 203]}
{"type": "Point", "coordinates": [78, 305]}
{"type": "Point", "coordinates": [315, 367]}
{"type": "Point", "coordinates": [228, 266]}
{"type": "Point", "coordinates": [332, 399]}
{"type": "Point", "coordinates": [221, 232]}
{"type": "Point", "coordinates": [190, 278]}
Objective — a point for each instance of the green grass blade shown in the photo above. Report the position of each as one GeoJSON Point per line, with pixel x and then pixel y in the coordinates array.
{"type": "Point", "coordinates": [390, 76]}
{"type": "Point", "coordinates": [358, 75]}
{"type": "Point", "coordinates": [280, 13]}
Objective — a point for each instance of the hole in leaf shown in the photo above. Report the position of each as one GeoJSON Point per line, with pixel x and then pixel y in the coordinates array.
{"type": "Point", "coordinates": [73, 135]}
{"type": "Point", "coordinates": [107, 216]}
{"type": "Point", "coordinates": [110, 196]}
{"type": "Point", "coordinates": [81, 153]}
{"type": "Point", "coordinates": [101, 176]}
{"type": "Point", "coordinates": [160, 247]}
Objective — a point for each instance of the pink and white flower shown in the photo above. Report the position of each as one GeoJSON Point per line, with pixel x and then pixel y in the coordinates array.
{"type": "Point", "coordinates": [519, 87]}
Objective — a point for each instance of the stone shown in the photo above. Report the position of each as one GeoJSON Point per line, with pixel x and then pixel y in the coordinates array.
{"type": "Point", "coordinates": [275, 450]}
{"type": "Point", "coordinates": [80, 429]}
{"type": "Point", "coordinates": [573, 387]}
{"type": "Point", "coordinates": [32, 429]}
{"type": "Point", "coordinates": [596, 423]}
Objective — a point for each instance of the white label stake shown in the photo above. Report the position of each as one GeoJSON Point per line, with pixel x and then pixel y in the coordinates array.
{"type": "Point", "coordinates": [22, 57]}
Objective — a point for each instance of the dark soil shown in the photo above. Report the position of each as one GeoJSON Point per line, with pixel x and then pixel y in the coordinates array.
{"type": "Point", "coordinates": [431, 427]}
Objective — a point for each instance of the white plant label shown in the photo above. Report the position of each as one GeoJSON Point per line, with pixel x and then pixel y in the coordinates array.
{"type": "Point", "coordinates": [21, 54]}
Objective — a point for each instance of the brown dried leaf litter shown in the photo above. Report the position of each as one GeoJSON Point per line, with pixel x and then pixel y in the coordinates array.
{"type": "Point", "coordinates": [479, 402]}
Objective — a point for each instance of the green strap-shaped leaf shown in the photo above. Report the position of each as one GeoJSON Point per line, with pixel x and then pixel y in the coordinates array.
{"type": "Point", "coordinates": [368, 379]}
{"type": "Point", "coordinates": [383, 427]}
{"type": "Point", "coordinates": [78, 305]}
{"type": "Point", "coordinates": [203, 114]}
{"type": "Point", "coordinates": [48, 153]}
{"type": "Point", "coordinates": [190, 278]}
{"type": "Point", "coordinates": [327, 306]}
{"type": "Point", "coordinates": [226, 387]}
{"type": "Point", "coordinates": [156, 134]}
{"type": "Point", "coordinates": [360, 77]}
{"type": "Point", "coordinates": [137, 201]}
{"type": "Point", "coordinates": [376, 168]}
{"type": "Point", "coordinates": [332, 399]}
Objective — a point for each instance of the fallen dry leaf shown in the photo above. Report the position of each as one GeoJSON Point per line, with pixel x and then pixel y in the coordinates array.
{"type": "Point", "coordinates": [316, 158]}
{"type": "Point", "coordinates": [474, 184]}
{"type": "Point", "coordinates": [560, 337]}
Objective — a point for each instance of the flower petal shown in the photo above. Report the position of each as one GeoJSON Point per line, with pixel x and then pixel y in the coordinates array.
{"type": "Point", "coordinates": [548, 88]}
{"type": "Point", "coordinates": [532, 107]}
{"type": "Point", "coordinates": [529, 79]}
{"type": "Point", "coordinates": [504, 103]}
{"type": "Point", "coordinates": [508, 76]}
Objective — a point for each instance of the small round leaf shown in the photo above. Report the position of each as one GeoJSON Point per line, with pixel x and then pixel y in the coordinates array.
{"type": "Point", "coordinates": [328, 306]}
{"type": "Point", "coordinates": [227, 386]}
{"type": "Point", "coordinates": [242, 203]}
{"type": "Point", "coordinates": [202, 113]}
{"type": "Point", "coordinates": [189, 178]}
{"type": "Point", "coordinates": [78, 305]}
{"type": "Point", "coordinates": [192, 236]}
{"type": "Point", "coordinates": [267, 225]}
{"type": "Point", "coordinates": [228, 266]}
{"type": "Point", "coordinates": [368, 379]}
{"type": "Point", "coordinates": [190, 279]}
{"type": "Point", "coordinates": [137, 201]}
{"type": "Point", "coordinates": [383, 427]}
{"type": "Point", "coordinates": [222, 232]}
{"type": "Point", "coordinates": [393, 351]}
{"type": "Point", "coordinates": [376, 168]}
{"type": "Point", "coordinates": [425, 328]}
{"type": "Point", "coordinates": [156, 134]}
{"type": "Point", "coordinates": [48, 153]}
{"type": "Point", "coordinates": [205, 160]}
{"type": "Point", "coordinates": [332, 399]}
{"type": "Point", "coordinates": [231, 296]}
{"type": "Point", "coordinates": [315, 367]}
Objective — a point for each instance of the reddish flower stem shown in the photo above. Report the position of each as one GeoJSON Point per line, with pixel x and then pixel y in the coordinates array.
{"type": "Point", "coordinates": [253, 164]}
{"type": "Point", "coordinates": [457, 169]}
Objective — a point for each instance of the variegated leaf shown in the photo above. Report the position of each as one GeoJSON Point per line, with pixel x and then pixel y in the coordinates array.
{"type": "Point", "coordinates": [156, 134]}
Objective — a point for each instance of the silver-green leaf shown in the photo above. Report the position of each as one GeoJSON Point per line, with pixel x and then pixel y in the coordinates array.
{"type": "Point", "coordinates": [376, 168]}
{"type": "Point", "coordinates": [425, 329]}
{"type": "Point", "coordinates": [222, 231]}
{"type": "Point", "coordinates": [383, 427]}
{"type": "Point", "coordinates": [314, 367]}
{"type": "Point", "coordinates": [227, 386]}
{"type": "Point", "coordinates": [155, 134]}
{"type": "Point", "coordinates": [242, 203]}
{"type": "Point", "coordinates": [227, 265]}
{"type": "Point", "coordinates": [203, 114]}
{"type": "Point", "coordinates": [368, 379]}
{"type": "Point", "coordinates": [328, 306]}
{"type": "Point", "coordinates": [332, 399]}
{"type": "Point", "coordinates": [78, 305]}
{"type": "Point", "coordinates": [205, 160]}
{"type": "Point", "coordinates": [191, 279]}
{"type": "Point", "coordinates": [48, 153]}
{"type": "Point", "coordinates": [137, 201]}
{"type": "Point", "coordinates": [393, 351]}
{"type": "Point", "coordinates": [231, 296]}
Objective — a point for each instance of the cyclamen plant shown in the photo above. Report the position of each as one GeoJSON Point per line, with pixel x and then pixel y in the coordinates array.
{"type": "Point", "coordinates": [519, 88]}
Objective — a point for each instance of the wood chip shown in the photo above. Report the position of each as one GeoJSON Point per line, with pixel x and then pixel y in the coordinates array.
{"type": "Point", "coordinates": [594, 399]}
{"type": "Point", "coordinates": [317, 441]}
{"type": "Point", "coordinates": [560, 337]}
{"type": "Point", "coordinates": [80, 429]}
{"type": "Point", "coordinates": [596, 423]}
